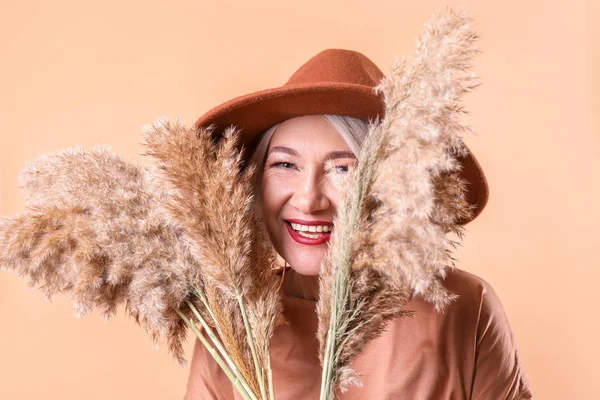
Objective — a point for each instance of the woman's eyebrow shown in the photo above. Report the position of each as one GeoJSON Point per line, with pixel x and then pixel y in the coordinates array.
{"type": "Point", "coordinates": [283, 149]}
{"type": "Point", "coordinates": [340, 154]}
{"type": "Point", "coordinates": [333, 155]}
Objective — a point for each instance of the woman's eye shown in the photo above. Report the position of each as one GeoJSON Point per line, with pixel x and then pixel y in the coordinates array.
{"type": "Point", "coordinates": [340, 169]}
{"type": "Point", "coordinates": [282, 164]}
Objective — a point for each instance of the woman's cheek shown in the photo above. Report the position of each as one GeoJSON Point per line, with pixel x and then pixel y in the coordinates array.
{"type": "Point", "coordinates": [334, 195]}
{"type": "Point", "coordinates": [273, 195]}
{"type": "Point", "coordinates": [277, 184]}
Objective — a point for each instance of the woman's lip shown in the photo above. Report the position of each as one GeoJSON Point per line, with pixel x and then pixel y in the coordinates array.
{"type": "Point", "coordinates": [306, 240]}
{"type": "Point", "coordinates": [309, 223]}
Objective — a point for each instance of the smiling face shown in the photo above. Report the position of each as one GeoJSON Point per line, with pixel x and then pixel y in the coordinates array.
{"type": "Point", "coordinates": [298, 195]}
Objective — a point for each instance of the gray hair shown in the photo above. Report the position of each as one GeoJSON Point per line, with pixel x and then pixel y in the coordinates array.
{"type": "Point", "coordinates": [353, 131]}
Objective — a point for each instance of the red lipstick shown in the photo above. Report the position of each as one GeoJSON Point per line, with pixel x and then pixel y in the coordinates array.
{"type": "Point", "coordinates": [306, 240]}
{"type": "Point", "coordinates": [309, 223]}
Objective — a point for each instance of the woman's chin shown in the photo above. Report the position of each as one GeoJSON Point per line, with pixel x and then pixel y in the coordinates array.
{"type": "Point", "coordinates": [305, 264]}
{"type": "Point", "coordinates": [306, 270]}
{"type": "Point", "coordinates": [304, 259]}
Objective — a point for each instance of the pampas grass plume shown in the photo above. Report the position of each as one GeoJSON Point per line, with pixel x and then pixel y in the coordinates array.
{"type": "Point", "coordinates": [401, 200]}
{"type": "Point", "coordinates": [93, 226]}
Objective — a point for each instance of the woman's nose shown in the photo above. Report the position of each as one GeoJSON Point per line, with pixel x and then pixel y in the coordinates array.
{"type": "Point", "coordinates": [309, 197]}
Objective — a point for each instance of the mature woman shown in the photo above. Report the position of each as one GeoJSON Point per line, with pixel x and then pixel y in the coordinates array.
{"type": "Point", "coordinates": [300, 135]}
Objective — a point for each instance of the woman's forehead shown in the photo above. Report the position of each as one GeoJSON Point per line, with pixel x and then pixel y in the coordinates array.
{"type": "Point", "coordinates": [304, 133]}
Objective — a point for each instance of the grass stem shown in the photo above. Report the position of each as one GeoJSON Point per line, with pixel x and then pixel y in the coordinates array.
{"type": "Point", "coordinates": [270, 377]}
{"type": "Point", "coordinates": [216, 356]}
{"type": "Point", "coordinates": [259, 374]}
{"type": "Point", "coordinates": [221, 348]}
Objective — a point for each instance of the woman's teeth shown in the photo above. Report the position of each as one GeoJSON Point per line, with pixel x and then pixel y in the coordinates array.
{"type": "Point", "coordinates": [306, 230]}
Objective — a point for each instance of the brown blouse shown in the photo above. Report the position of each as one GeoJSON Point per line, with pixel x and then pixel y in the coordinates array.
{"type": "Point", "coordinates": [468, 352]}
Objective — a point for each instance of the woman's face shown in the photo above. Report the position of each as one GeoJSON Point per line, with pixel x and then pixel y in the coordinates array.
{"type": "Point", "coordinates": [298, 195]}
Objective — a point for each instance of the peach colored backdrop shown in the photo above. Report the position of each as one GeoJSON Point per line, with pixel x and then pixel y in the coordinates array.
{"type": "Point", "coordinates": [86, 73]}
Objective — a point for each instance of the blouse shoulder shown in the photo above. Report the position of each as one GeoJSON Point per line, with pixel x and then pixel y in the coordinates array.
{"type": "Point", "coordinates": [465, 284]}
{"type": "Point", "coordinates": [498, 373]}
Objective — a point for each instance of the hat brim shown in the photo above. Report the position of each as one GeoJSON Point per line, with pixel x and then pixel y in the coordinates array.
{"type": "Point", "coordinates": [254, 113]}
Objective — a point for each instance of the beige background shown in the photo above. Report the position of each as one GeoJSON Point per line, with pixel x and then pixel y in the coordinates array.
{"type": "Point", "coordinates": [74, 72]}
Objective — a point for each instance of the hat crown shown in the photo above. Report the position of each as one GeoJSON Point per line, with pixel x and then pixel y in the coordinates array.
{"type": "Point", "coordinates": [337, 66]}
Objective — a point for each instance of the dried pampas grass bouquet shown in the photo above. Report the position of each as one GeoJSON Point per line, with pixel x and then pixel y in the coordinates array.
{"type": "Point", "coordinates": [400, 201]}
{"type": "Point", "coordinates": [162, 241]}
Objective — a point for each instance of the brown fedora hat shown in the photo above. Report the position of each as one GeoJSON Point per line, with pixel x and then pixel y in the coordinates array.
{"type": "Point", "coordinates": [335, 81]}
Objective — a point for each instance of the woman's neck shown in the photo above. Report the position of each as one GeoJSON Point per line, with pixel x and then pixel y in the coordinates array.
{"type": "Point", "coordinates": [302, 286]}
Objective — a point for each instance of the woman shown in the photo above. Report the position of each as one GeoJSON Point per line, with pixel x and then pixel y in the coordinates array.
{"type": "Point", "coordinates": [301, 134]}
